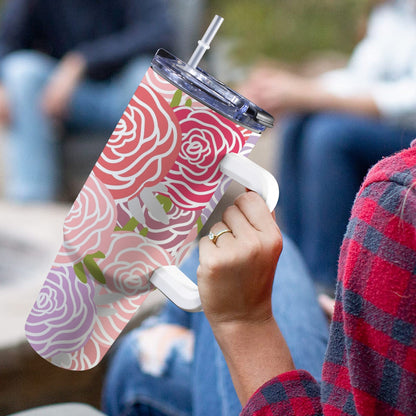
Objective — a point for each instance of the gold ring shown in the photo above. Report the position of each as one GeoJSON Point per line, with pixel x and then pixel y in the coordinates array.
{"type": "Point", "coordinates": [214, 237]}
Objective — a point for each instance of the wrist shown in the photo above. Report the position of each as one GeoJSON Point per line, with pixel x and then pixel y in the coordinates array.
{"type": "Point", "coordinates": [255, 353]}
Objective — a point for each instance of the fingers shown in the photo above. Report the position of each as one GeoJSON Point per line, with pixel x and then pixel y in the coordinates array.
{"type": "Point", "coordinates": [327, 304]}
{"type": "Point", "coordinates": [256, 212]}
{"type": "Point", "coordinates": [220, 235]}
{"type": "Point", "coordinates": [246, 218]}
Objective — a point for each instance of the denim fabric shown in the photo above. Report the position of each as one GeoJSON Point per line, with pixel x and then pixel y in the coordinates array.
{"type": "Point", "coordinates": [203, 386]}
{"type": "Point", "coordinates": [32, 150]}
{"type": "Point", "coordinates": [324, 158]}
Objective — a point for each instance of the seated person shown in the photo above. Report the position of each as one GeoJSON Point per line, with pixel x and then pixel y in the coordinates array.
{"type": "Point", "coordinates": [73, 62]}
{"type": "Point", "coordinates": [335, 127]}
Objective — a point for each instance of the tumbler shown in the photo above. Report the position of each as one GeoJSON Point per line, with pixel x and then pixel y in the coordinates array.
{"type": "Point", "coordinates": [183, 135]}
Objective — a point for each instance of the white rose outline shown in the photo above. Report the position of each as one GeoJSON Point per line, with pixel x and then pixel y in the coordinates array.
{"type": "Point", "coordinates": [206, 138]}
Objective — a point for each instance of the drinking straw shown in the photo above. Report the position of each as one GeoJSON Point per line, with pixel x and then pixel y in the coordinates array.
{"type": "Point", "coordinates": [206, 40]}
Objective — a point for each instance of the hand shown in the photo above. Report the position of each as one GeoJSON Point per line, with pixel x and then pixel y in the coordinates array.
{"type": "Point", "coordinates": [327, 304]}
{"type": "Point", "coordinates": [4, 107]}
{"type": "Point", "coordinates": [235, 280]}
{"type": "Point", "coordinates": [61, 86]}
{"type": "Point", "coordinates": [235, 275]}
{"type": "Point", "coordinates": [279, 91]}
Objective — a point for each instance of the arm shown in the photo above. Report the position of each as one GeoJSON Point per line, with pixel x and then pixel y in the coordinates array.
{"type": "Point", "coordinates": [16, 33]}
{"type": "Point", "coordinates": [4, 107]}
{"type": "Point", "coordinates": [372, 84]}
{"type": "Point", "coordinates": [235, 281]}
{"type": "Point", "coordinates": [146, 29]}
{"type": "Point", "coordinates": [16, 28]}
{"type": "Point", "coordinates": [278, 91]}
{"type": "Point", "coordinates": [376, 306]}
{"type": "Point", "coordinates": [60, 87]}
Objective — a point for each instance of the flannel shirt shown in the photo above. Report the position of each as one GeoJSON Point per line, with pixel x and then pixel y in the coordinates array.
{"type": "Point", "coordinates": [370, 363]}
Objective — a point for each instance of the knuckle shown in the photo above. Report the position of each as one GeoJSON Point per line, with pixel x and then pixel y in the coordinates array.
{"type": "Point", "coordinates": [229, 212]}
{"type": "Point", "coordinates": [247, 197]}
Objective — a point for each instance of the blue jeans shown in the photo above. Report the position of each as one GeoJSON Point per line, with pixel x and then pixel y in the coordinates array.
{"type": "Point", "coordinates": [32, 151]}
{"type": "Point", "coordinates": [202, 385]}
{"type": "Point", "coordinates": [324, 158]}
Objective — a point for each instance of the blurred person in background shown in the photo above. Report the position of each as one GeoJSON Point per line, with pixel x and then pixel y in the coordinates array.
{"type": "Point", "coordinates": [68, 63]}
{"type": "Point", "coordinates": [336, 126]}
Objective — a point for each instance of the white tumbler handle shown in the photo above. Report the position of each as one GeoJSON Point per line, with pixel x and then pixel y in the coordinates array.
{"type": "Point", "coordinates": [171, 281]}
{"type": "Point", "coordinates": [252, 176]}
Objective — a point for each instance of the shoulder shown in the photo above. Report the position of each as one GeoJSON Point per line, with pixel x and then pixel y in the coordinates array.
{"type": "Point", "coordinates": [387, 15]}
{"type": "Point", "coordinates": [380, 241]}
{"type": "Point", "coordinates": [399, 168]}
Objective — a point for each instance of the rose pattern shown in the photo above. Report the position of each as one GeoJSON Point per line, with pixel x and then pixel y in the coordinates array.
{"type": "Point", "coordinates": [168, 236]}
{"type": "Point", "coordinates": [206, 138]}
{"type": "Point", "coordinates": [142, 148]}
{"type": "Point", "coordinates": [107, 327]}
{"type": "Point", "coordinates": [63, 316]}
{"type": "Point", "coordinates": [130, 261]}
{"type": "Point", "coordinates": [89, 224]}
{"type": "Point", "coordinates": [154, 146]}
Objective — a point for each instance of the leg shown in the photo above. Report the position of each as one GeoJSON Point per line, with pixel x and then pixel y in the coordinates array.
{"type": "Point", "coordinates": [99, 105]}
{"type": "Point", "coordinates": [150, 372]}
{"type": "Point", "coordinates": [32, 150]}
{"type": "Point", "coordinates": [336, 153]}
{"type": "Point", "coordinates": [142, 382]}
{"type": "Point", "coordinates": [288, 174]}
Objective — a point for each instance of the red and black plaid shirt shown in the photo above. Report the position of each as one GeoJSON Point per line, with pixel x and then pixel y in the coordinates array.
{"type": "Point", "coordinates": [370, 364]}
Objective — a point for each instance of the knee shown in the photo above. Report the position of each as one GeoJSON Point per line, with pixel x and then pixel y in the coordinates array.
{"type": "Point", "coordinates": [25, 70]}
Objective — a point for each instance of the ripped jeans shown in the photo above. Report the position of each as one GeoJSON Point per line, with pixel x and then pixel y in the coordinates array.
{"type": "Point", "coordinates": [172, 365]}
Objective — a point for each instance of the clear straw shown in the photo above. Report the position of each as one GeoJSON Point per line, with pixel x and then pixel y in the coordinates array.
{"type": "Point", "coordinates": [206, 40]}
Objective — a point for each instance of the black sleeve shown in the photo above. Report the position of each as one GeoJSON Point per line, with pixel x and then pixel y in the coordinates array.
{"type": "Point", "coordinates": [147, 29]}
{"type": "Point", "coordinates": [16, 26]}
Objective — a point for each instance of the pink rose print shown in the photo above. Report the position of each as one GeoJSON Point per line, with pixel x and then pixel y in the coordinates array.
{"type": "Point", "coordinates": [142, 148]}
{"type": "Point", "coordinates": [89, 224]}
{"type": "Point", "coordinates": [159, 84]}
{"type": "Point", "coordinates": [130, 261]}
{"type": "Point", "coordinates": [107, 328]}
{"type": "Point", "coordinates": [206, 138]}
{"type": "Point", "coordinates": [63, 316]}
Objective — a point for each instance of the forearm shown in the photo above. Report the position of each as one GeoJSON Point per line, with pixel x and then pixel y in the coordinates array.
{"type": "Point", "coordinates": [4, 106]}
{"type": "Point", "coordinates": [255, 353]}
{"type": "Point", "coordinates": [318, 99]}
{"type": "Point", "coordinates": [62, 84]}
{"type": "Point", "coordinates": [280, 92]}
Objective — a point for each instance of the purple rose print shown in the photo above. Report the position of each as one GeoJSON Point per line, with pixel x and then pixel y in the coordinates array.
{"type": "Point", "coordinates": [63, 316]}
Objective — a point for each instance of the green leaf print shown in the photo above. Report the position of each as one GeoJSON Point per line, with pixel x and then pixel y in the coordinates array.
{"type": "Point", "coordinates": [176, 99]}
{"type": "Point", "coordinates": [165, 202]}
{"type": "Point", "coordinates": [144, 231]}
{"type": "Point", "coordinates": [80, 272]}
{"type": "Point", "coordinates": [129, 226]}
{"type": "Point", "coordinates": [92, 266]}
{"type": "Point", "coordinates": [199, 224]}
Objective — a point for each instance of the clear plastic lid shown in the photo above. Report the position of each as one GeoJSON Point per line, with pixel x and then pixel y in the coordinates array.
{"type": "Point", "coordinates": [213, 93]}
